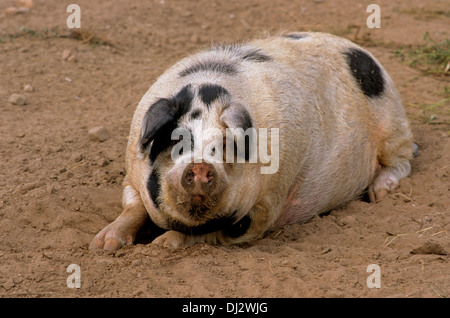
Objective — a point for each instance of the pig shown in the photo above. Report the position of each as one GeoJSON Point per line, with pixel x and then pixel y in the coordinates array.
{"type": "Point", "coordinates": [333, 125]}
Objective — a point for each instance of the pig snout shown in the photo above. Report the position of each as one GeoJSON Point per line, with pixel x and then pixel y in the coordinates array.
{"type": "Point", "coordinates": [199, 179]}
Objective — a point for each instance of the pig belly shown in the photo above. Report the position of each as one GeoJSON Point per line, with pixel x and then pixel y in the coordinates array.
{"type": "Point", "coordinates": [307, 199]}
{"type": "Point", "coordinates": [295, 209]}
{"type": "Point", "coordinates": [293, 212]}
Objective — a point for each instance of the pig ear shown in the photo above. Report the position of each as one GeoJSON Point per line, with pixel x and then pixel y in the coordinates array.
{"type": "Point", "coordinates": [157, 117]}
{"type": "Point", "coordinates": [236, 116]}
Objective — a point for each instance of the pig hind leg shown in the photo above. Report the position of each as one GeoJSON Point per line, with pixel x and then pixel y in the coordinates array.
{"type": "Point", "coordinates": [394, 162]}
{"type": "Point", "coordinates": [388, 180]}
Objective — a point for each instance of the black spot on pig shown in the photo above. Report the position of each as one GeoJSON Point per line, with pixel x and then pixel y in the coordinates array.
{"type": "Point", "coordinates": [154, 187]}
{"type": "Point", "coordinates": [237, 116]}
{"type": "Point", "coordinates": [212, 66]}
{"type": "Point", "coordinates": [210, 92]}
{"type": "Point", "coordinates": [161, 119]}
{"type": "Point", "coordinates": [225, 224]}
{"type": "Point", "coordinates": [366, 72]}
{"type": "Point", "coordinates": [295, 36]}
{"type": "Point", "coordinates": [196, 114]}
{"type": "Point", "coordinates": [244, 52]}
{"type": "Point", "coordinates": [183, 100]}
{"type": "Point", "coordinates": [209, 226]}
{"type": "Point", "coordinates": [238, 229]}
{"type": "Point", "coordinates": [256, 56]}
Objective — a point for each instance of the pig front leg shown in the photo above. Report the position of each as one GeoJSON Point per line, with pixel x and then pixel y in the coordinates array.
{"type": "Point", "coordinates": [176, 240]}
{"type": "Point", "coordinates": [250, 227]}
{"type": "Point", "coordinates": [123, 230]}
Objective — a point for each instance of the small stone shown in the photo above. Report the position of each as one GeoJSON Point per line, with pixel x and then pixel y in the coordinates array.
{"type": "Point", "coordinates": [103, 162]}
{"type": "Point", "coordinates": [66, 54]}
{"type": "Point", "coordinates": [29, 186]}
{"type": "Point", "coordinates": [50, 188]}
{"type": "Point", "coordinates": [17, 99]}
{"type": "Point", "coordinates": [430, 248]}
{"type": "Point", "coordinates": [9, 284]}
{"type": "Point", "coordinates": [72, 58]}
{"type": "Point", "coordinates": [47, 255]}
{"type": "Point", "coordinates": [347, 220]}
{"type": "Point", "coordinates": [16, 10]}
{"type": "Point", "coordinates": [28, 88]}
{"type": "Point", "coordinates": [77, 157]}
{"type": "Point", "coordinates": [99, 133]}
{"type": "Point", "coordinates": [25, 3]}
{"type": "Point", "coordinates": [326, 250]}
{"type": "Point", "coordinates": [136, 262]}
{"type": "Point", "coordinates": [195, 38]}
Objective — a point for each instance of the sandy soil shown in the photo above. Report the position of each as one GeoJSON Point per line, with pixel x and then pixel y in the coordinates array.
{"type": "Point", "coordinates": [58, 188]}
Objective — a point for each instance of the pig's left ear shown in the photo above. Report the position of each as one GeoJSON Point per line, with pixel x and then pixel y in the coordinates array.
{"type": "Point", "coordinates": [158, 116]}
{"type": "Point", "coordinates": [236, 116]}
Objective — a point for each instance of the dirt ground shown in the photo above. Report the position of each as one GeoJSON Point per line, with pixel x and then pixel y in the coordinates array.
{"type": "Point", "coordinates": [58, 188]}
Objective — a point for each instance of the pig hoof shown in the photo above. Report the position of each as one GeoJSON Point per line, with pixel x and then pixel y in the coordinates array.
{"type": "Point", "coordinates": [171, 239]}
{"type": "Point", "coordinates": [109, 239]}
{"type": "Point", "coordinates": [381, 187]}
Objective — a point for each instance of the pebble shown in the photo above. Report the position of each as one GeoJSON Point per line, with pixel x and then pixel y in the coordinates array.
{"type": "Point", "coordinates": [77, 157]}
{"type": "Point", "coordinates": [347, 220]}
{"type": "Point", "coordinates": [17, 99]}
{"type": "Point", "coordinates": [50, 188]}
{"type": "Point", "coordinates": [8, 284]}
{"type": "Point", "coordinates": [16, 10]}
{"type": "Point", "coordinates": [430, 248]}
{"type": "Point", "coordinates": [195, 38]}
{"type": "Point", "coordinates": [29, 186]}
{"type": "Point", "coordinates": [25, 3]}
{"type": "Point", "coordinates": [103, 162]}
{"type": "Point", "coordinates": [136, 262]}
{"type": "Point", "coordinates": [99, 133]}
{"type": "Point", "coordinates": [28, 88]}
{"type": "Point", "coordinates": [66, 54]}
{"type": "Point", "coordinates": [326, 250]}
{"type": "Point", "coordinates": [72, 58]}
